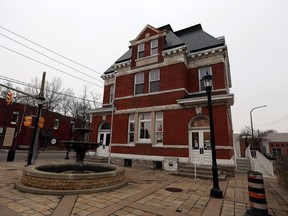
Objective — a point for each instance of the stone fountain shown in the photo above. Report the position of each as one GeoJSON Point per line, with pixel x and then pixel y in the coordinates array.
{"type": "Point", "coordinates": [73, 178]}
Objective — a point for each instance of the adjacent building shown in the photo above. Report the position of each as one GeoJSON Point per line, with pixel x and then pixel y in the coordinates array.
{"type": "Point", "coordinates": [155, 105]}
{"type": "Point", "coordinates": [276, 144]}
{"type": "Point", "coordinates": [14, 135]}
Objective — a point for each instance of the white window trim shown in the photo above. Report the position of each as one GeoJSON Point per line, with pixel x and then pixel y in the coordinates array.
{"type": "Point", "coordinates": [156, 129]}
{"type": "Point", "coordinates": [141, 140]}
{"type": "Point", "coordinates": [140, 48]}
{"type": "Point", "coordinates": [153, 48]}
{"type": "Point", "coordinates": [199, 75]}
{"type": "Point", "coordinates": [135, 82]}
{"type": "Point", "coordinates": [157, 80]}
{"type": "Point", "coordinates": [111, 95]}
{"type": "Point", "coordinates": [131, 120]}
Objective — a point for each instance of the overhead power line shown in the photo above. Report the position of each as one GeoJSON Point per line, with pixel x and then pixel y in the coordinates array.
{"type": "Point", "coordinates": [50, 50]}
{"type": "Point", "coordinates": [50, 57]}
{"type": "Point", "coordinates": [50, 66]}
{"type": "Point", "coordinates": [34, 86]}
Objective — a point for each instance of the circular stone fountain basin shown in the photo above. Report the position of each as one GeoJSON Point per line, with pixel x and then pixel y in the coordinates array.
{"type": "Point", "coordinates": [71, 178]}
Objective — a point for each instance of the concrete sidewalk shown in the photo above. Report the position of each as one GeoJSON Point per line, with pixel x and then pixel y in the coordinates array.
{"type": "Point", "coordinates": [149, 192]}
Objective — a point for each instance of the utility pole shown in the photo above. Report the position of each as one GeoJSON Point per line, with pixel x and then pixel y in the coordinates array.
{"type": "Point", "coordinates": [33, 146]}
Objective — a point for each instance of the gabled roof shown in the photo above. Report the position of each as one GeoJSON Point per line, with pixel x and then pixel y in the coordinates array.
{"type": "Point", "coordinates": [193, 37]}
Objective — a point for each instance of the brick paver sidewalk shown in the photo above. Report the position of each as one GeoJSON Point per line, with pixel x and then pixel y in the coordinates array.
{"type": "Point", "coordinates": [149, 192]}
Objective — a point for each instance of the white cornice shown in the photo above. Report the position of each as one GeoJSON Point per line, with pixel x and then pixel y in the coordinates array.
{"type": "Point", "coordinates": [207, 52]}
{"type": "Point", "coordinates": [201, 100]}
{"type": "Point", "coordinates": [175, 50]}
{"type": "Point", "coordinates": [102, 110]}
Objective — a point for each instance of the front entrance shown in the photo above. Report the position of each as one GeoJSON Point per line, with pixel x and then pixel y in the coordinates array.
{"type": "Point", "coordinates": [199, 142]}
{"type": "Point", "coordinates": [104, 139]}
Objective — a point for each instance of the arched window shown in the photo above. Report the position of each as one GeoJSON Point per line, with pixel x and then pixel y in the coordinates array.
{"type": "Point", "coordinates": [199, 122]}
{"type": "Point", "coordinates": [105, 126]}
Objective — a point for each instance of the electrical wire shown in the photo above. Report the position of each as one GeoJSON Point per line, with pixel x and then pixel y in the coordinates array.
{"type": "Point", "coordinates": [50, 50]}
{"type": "Point", "coordinates": [34, 86]}
{"type": "Point", "coordinates": [50, 57]}
{"type": "Point", "coordinates": [50, 66]}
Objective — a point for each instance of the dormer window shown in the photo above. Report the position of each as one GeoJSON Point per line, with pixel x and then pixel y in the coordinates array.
{"type": "Point", "coordinates": [140, 53]}
{"type": "Point", "coordinates": [154, 47]}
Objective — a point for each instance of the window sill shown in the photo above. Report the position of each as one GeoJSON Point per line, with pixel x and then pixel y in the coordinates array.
{"type": "Point", "coordinates": [144, 142]}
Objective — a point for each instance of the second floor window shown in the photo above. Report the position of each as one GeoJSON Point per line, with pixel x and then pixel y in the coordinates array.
{"type": "Point", "coordinates": [154, 80]}
{"type": "Point", "coordinates": [203, 71]}
{"type": "Point", "coordinates": [139, 83]}
{"type": "Point", "coordinates": [111, 98]}
{"type": "Point", "coordinates": [154, 47]}
{"type": "Point", "coordinates": [140, 51]}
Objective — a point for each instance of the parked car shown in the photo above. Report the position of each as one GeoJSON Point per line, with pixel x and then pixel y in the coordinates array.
{"type": "Point", "coordinates": [270, 156]}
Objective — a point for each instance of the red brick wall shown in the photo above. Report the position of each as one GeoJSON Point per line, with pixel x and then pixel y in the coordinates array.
{"type": "Point", "coordinates": [218, 72]}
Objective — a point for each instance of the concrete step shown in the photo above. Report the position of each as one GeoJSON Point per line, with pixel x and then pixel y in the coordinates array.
{"type": "Point", "coordinates": [243, 164]}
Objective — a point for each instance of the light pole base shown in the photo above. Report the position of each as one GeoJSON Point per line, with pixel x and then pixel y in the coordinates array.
{"type": "Point", "coordinates": [216, 193]}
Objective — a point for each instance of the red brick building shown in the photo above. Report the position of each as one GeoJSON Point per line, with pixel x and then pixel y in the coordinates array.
{"type": "Point", "coordinates": [13, 134]}
{"type": "Point", "coordinates": [160, 104]}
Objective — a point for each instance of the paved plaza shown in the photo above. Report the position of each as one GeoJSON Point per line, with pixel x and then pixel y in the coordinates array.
{"type": "Point", "coordinates": [149, 192]}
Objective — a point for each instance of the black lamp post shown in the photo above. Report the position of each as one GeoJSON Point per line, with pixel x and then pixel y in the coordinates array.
{"type": "Point", "coordinates": [215, 192]}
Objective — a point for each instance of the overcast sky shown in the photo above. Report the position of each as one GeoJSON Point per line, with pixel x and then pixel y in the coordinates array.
{"type": "Point", "coordinates": [96, 33]}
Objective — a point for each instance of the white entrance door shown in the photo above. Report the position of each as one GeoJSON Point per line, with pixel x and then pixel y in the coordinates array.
{"type": "Point", "coordinates": [104, 139]}
{"type": "Point", "coordinates": [200, 147]}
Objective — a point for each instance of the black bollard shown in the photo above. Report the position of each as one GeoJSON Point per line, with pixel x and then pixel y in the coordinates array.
{"type": "Point", "coordinates": [257, 197]}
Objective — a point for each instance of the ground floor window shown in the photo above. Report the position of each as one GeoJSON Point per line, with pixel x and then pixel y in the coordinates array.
{"type": "Point", "coordinates": [159, 127]}
{"type": "Point", "coordinates": [131, 128]}
{"type": "Point", "coordinates": [144, 126]}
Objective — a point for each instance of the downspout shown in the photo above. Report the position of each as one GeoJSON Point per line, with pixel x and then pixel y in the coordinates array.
{"type": "Point", "coordinates": [112, 118]}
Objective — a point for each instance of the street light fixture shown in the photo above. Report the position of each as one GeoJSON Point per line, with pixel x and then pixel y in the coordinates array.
{"type": "Point", "coordinates": [258, 107]}
{"type": "Point", "coordinates": [215, 192]}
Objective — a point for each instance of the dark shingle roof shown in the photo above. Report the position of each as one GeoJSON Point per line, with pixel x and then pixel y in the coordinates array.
{"type": "Point", "coordinates": [193, 37]}
{"type": "Point", "coordinates": [125, 57]}
{"type": "Point", "coordinates": [196, 39]}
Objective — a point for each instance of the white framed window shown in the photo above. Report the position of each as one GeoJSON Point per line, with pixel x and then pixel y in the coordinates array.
{"type": "Point", "coordinates": [56, 124]}
{"type": "Point", "coordinates": [140, 51]}
{"type": "Point", "coordinates": [154, 47]}
{"type": "Point", "coordinates": [131, 126]}
{"type": "Point", "coordinates": [203, 71]}
{"type": "Point", "coordinates": [111, 95]}
{"type": "Point", "coordinates": [154, 80]}
{"type": "Point", "coordinates": [15, 118]}
{"type": "Point", "coordinates": [144, 127]}
{"type": "Point", "coordinates": [139, 83]}
{"type": "Point", "coordinates": [159, 127]}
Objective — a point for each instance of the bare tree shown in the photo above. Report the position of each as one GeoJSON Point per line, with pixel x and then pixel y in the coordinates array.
{"type": "Point", "coordinates": [258, 136]}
